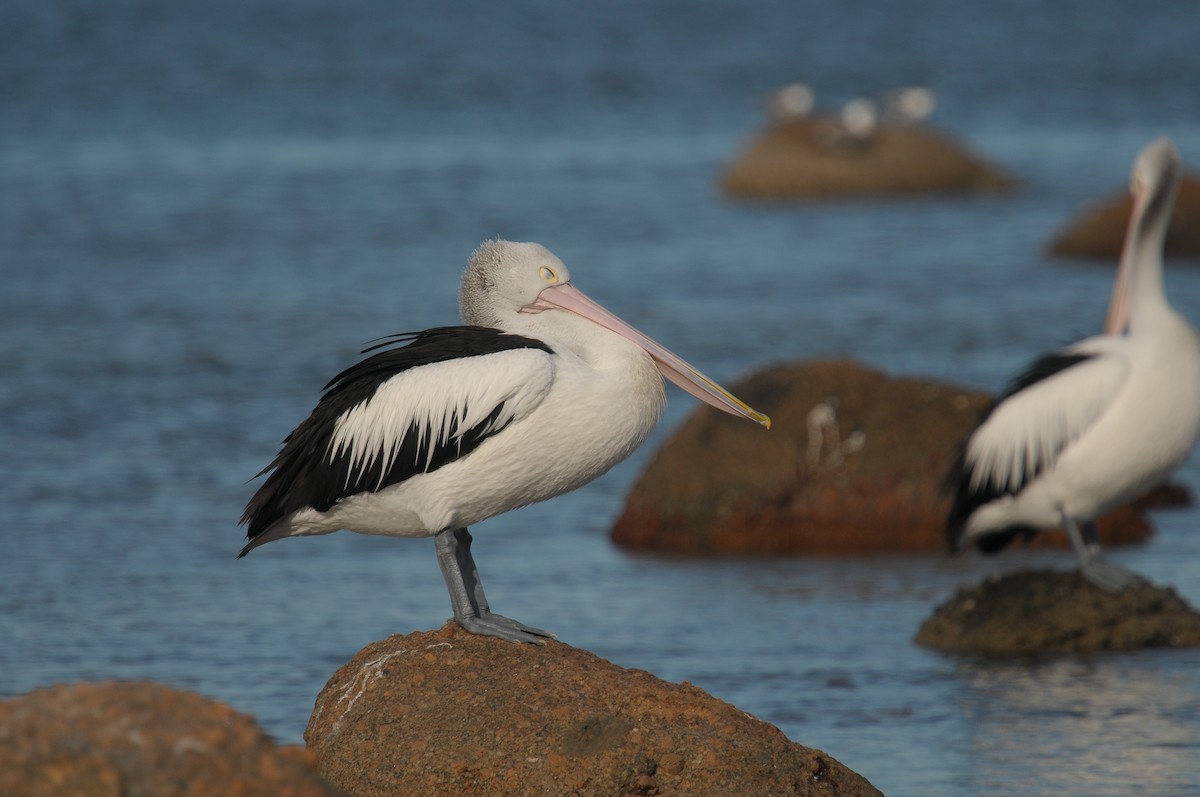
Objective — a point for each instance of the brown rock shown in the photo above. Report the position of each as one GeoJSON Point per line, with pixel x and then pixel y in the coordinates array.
{"type": "Point", "coordinates": [1099, 231]}
{"type": "Point", "coordinates": [1050, 612]}
{"type": "Point", "coordinates": [867, 479]}
{"type": "Point", "coordinates": [143, 740]}
{"type": "Point", "coordinates": [451, 713]}
{"type": "Point", "coordinates": [810, 159]}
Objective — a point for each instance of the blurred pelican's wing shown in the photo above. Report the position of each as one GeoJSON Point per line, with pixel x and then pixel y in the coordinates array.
{"type": "Point", "coordinates": [1044, 410]}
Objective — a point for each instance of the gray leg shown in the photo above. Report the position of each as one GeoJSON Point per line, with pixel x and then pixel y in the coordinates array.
{"type": "Point", "coordinates": [1104, 575]}
{"type": "Point", "coordinates": [471, 609]}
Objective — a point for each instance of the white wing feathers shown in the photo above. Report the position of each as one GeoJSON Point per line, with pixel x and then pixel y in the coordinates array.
{"type": "Point", "coordinates": [439, 402]}
{"type": "Point", "coordinates": [1027, 431]}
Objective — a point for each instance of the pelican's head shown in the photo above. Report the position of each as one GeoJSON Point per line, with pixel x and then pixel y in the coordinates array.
{"type": "Point", "coordinates": [507, 282]}
{"type": "Point", "coordinates": [1158, 164]}
{"type": "Point", "coordinates": [1153, 184]}
{"type": "Point", "coordinates": [503, 277]}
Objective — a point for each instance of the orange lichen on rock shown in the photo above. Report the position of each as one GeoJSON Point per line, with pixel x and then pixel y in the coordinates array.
{"type": "Point", "coordinates": [451, 713]}
{"type": "Point", "coordinates": [141, 739]}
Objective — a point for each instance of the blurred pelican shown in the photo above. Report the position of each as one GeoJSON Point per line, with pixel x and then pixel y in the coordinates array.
{"type": "Point", "coordinates": [907, 106]}
{"type": "Point", "coordinates": [790, 103]}
{"type": "Point", "coordinates": [1096, 424]}
{"type": "Point", "coordinates": [860, 118]}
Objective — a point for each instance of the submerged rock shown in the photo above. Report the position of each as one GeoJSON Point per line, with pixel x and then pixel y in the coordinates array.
{"type": "Point", "coordinates": [854, 463]}
{"type": "Point", "coordinates": [1052, 612]}
{"type": "Point", "coordinates": [1099, 230]}
{"type": "Point", "coordinates": [451, 713]}
{"type": "Point", "coordinates": [143, 740]}
{"type": "Point", "coordinates": [816, 159]}
{"type": "Point", "coordinates": [1171, 495]}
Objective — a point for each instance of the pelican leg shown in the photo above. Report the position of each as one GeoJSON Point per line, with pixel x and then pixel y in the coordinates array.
{"type": "Point", "coordinates": [471, 609]}
{"type": "Point", "coordinates": [1092, 566]}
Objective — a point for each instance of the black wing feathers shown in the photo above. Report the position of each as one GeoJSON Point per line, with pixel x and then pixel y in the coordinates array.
{"type": "Point", "coordinates": [967, 500]}
{"type": "Point", "coordinates": [1041, 369]}
{"type": "Point", "coordinates": [303, 475]}
{"type": "Point", "coordinates": [958, 481]}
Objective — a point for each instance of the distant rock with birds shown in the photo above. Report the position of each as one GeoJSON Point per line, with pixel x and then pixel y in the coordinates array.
{"type": "Point", "coordinates": [820, 158]}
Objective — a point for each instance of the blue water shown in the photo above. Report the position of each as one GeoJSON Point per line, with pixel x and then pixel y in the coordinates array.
{"type": "Point", "coordinates": [207, 208]}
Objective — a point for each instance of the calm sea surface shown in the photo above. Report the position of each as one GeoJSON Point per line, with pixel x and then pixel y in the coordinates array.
{"type": "Point", "coordinates": [207, 208]}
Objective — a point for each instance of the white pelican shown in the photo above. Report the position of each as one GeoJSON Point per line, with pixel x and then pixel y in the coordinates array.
{"type": "Point", "coordinates": [860, 118]}
{"type": "Point", "coordinates": [1095, 424]}
{"type": "Point", "coordinates": [542, 392]}
{"type": "Point", "coordinates": [790, 103]}
{"type": "Point", "coordinates": [852, 129]}
{"type": "Point", "coordinates": [907, 106]}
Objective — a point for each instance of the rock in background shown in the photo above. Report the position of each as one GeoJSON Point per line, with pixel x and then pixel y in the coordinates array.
{"type": "Point", "coordinates": [451, 713]}
{"type": "Point", "coordinates": [1050, 612]}
{"type": "Point", "coordinates": [815, 159]}
{"type": "Point", "coordinates": [853, 463]}
{"type": "Point", "coordinates": [141, 739]}
{"type": "Point", "coordinates": [1099, 231]}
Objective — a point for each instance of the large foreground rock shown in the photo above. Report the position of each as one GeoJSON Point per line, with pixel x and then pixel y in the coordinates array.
{"type": "Point", "coordinates": [853, 463]}
{"type": "Point", "coordinates": [1052, 612]}
{"type": "Point", "coordinates": [1099, 230]}
{"type": "Point", "coordinates": [143, 740]}
{"type": "Point", "coordinates": [811, 159]}
{"type": "Point", "coordinates": [450, 713]}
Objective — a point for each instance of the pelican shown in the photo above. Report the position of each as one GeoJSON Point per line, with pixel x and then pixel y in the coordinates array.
{"type": "Point", "coordinates": [542, 391]}
{"type": "Point", "coordinates": [907, 106]}
{"type": "Point", "coordinates": [860, 118]}
{"type": "Point", "coordinates": [790, 103]}
{"type": "Point", "coordinates": [1095, 424]}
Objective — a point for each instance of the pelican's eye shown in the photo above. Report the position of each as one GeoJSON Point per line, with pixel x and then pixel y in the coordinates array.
{"type": "Point", "coordinates": [547, 274]}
